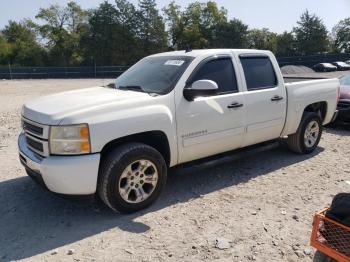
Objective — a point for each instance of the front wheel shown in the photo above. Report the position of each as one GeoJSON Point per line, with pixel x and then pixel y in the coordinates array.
{"type": "Point", "coordinates": [131, 177]}
{"type": "Point", "coordinates": [308, 135]}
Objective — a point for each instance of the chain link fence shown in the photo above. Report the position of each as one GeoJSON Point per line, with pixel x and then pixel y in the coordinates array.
{"type": "Point", "coordinates": [17, 72]}
{"type": "Point", "coordinates": [312, 60]}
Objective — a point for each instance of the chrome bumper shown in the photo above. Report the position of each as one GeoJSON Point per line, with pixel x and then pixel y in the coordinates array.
{"type": "Point", "coordinates": [27, 157]}
{"type": "Point", "coordinates": [69, 175]}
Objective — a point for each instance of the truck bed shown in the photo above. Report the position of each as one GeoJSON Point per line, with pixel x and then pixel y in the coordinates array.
{"type": "Point", "coordinates": [305, 92]}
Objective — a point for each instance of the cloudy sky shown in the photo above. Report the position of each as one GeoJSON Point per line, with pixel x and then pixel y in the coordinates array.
{"type": "Point", "coordinates": [277, 15]}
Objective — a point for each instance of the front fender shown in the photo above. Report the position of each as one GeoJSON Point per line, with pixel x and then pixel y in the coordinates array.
{"type": "Point", "coordinates": [113, 125]}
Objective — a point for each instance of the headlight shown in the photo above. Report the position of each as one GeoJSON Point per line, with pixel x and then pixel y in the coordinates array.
{"type": "Point", "coordinates": [70, 140]}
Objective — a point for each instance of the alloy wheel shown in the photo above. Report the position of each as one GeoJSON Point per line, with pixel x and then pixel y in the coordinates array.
{"type": "Point", "coordinates": [138, 181]}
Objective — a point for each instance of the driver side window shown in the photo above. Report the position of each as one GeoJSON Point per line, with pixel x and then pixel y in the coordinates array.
{"type": "Point", "coordinates": [220, 71]}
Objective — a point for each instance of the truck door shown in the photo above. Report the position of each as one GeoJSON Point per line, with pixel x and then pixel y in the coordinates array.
{"type": "Point", "coordinates": [265, 98]}
{"type": "Point", "coordinates": [215, 123]}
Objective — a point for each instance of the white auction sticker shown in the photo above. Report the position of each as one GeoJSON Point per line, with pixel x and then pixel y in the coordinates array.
{"type": "Point", "coordinates": [175, 62]}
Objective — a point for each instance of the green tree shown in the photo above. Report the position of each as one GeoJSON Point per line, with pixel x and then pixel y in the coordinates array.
{"type": "Point", "coordinates": [175, 21]}
{"type": "Point", "coordinates": [285, 44]}
{"type": "Point", "coordinates": [151, 27]}
{"type": "Point", "coordinates": [62, 29]}
{"type": "Point", "coordinates": [341, 35]}
{"type": "Point", "coordinates": [195, 26]}
{"type": "Point", "coordinates": [232, 34]}
{"type": "Point", "coordinates": [130, 46]}
{"type": "Point", "coordinates": [99, 40]}
{"type": "Point", "coordinates": [122, 34]}
{"type": "Point", "coordinates": [5, 49]}
{"type": "Point", "coordinates": [20, 44]}
{"type": "Point", "coordinates": [113, 34]}
{"type": "Point", "coordinates": [311, 35]}
{"type": "Point", "coordinates": [262, 39]}
{"type": "Point", "coordinates": [211, 17]}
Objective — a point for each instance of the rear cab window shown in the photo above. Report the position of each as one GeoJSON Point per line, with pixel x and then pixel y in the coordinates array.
{"type": "Point", "coordinates": [258, 71]}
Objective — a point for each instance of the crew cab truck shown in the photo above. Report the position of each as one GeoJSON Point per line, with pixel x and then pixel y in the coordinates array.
{"type": "Point", "coordinates": [118, 141]}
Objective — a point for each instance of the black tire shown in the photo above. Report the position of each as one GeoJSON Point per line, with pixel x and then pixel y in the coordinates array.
{"type": "Point", "coordinates": [296, 141]}
{"type": "Point", "coordinates": [112, 168]}
{"type": "Point", "coordinates": [320, 257]}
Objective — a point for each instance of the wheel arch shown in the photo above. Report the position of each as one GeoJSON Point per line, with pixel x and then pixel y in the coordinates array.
{"type": "Point", "coordinates": [156, 139]}
{"type": "Point", "coordinates": [319, 107]}
{"type": "Point", "coordinates": [294, 117]}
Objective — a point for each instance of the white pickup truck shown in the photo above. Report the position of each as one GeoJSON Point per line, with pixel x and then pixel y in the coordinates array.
{"type": "Point", "coordinates": [118, 141]}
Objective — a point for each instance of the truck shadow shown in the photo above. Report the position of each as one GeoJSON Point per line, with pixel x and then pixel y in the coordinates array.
{"type": "Point", "coordinates": [339, 128]}
{"type": "Point", "coordinates": [33, 221]}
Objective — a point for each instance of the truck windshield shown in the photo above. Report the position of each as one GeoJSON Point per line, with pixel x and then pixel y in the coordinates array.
{"type": "Point", "coordinates": [157, 75]}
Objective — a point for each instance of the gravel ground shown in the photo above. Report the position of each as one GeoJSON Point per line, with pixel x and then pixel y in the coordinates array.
{"type": "Point", "coordinates": [258, 207]}
{"type": "Point", "coordinates": [293, 69]}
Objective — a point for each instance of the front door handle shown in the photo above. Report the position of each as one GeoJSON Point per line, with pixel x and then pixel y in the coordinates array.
{"type": "Point", "coordinates": [277, 98]}
{"type": "Point", "coordinates": [235, 105]}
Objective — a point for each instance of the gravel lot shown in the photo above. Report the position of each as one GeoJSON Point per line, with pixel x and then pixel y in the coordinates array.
{"type": "Point", "coordinates": [258, 207]}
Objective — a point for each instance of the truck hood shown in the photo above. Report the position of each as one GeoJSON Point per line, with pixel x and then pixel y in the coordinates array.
{"type": "Point", "coordinates": [52, 109]}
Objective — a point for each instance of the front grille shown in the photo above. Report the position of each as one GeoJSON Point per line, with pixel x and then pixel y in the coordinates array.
{"type": "Point", "coordinates": [37, 146]}
{"type": "Point", "coordinates": [37, 136]}
{"type": "Point", "coordinates": [36, 130]}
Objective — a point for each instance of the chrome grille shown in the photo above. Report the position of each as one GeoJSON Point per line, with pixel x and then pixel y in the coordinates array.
{"type": "Point", "coordinates": [36, 137]}
{"type": "Point", "coordinates": [32, 128]}
{"type": "Point", "coordinates": [35, 144]}
{"type": "Point", "coordinates": [35, 129]}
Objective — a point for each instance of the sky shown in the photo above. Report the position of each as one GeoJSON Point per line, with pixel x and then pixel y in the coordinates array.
{"type": "Point", "coordinates": [277, 15]}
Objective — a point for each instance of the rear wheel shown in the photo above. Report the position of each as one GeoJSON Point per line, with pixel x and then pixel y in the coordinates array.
{"type": "Point", "coordinates": [308, 135]}
{"type": "Point", "coordinates": [132, 177]}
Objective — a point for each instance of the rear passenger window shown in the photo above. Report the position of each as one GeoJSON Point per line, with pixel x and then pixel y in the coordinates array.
{"type": "Point", "coordinates": [259, 73]}
{"type": "Point", "coordinates": [220, 71]}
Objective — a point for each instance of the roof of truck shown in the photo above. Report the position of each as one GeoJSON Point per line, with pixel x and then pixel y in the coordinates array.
{"type": "Point", "coordinates": [201, 52]}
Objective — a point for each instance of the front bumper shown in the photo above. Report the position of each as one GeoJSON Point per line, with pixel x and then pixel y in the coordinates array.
{"type": "Point", "coordinates": [70, 175]}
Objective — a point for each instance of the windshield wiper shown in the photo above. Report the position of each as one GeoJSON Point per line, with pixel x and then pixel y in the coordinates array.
{"type": "Point", "coordinates": [132, 88]}
{"type": "Point", "coordinates": [110, 85]}
{"type": "Point", "coordinates": [138, 89]}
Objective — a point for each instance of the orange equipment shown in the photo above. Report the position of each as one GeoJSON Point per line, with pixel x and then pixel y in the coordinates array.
{"type": "Point", "coordinates": [330, 237]}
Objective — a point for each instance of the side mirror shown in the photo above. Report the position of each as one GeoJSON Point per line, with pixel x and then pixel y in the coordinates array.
{"type": "Point", "coordinates": [200, 88]}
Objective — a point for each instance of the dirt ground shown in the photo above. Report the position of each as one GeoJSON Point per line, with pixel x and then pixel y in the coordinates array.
{"type": "Point", "coordinates": [256, 207]}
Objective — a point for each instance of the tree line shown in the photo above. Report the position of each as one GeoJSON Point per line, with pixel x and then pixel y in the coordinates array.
{"type": "Point", "coordinates": [121, 33]}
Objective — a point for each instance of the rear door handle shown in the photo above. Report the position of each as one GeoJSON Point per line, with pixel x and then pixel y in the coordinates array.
{"type": "Point", "coordinates": [277, 98]}
{"type": "Point", "coordinates": [235, 105]}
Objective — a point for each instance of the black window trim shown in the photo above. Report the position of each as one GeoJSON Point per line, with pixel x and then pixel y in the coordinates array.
{"type": "Point", "coordinates": [256, 55]}
{"type": "Point", "coordinates": [253, 55]}
{"type": "Point", "coordinates": [189, 81]}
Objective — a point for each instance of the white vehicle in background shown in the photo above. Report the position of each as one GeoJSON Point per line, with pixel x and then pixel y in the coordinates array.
{"type": "Point", "coordinates": [324, 67]}
{"type": "Point", "coordinates": [170, 108]}
{"type": "Point", "coordinates": [342, 66]}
